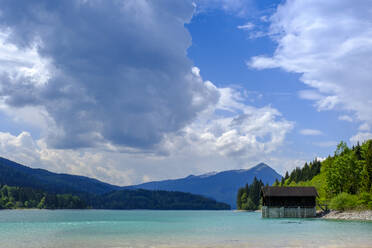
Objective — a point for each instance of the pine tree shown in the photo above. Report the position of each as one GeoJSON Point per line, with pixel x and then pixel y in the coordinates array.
{"type": "Point", "coordinates": [276, 183]}
{"type": "Point", "coordinates": [358, 152]}
{"type": "Point", "coordinates": [286, 175]}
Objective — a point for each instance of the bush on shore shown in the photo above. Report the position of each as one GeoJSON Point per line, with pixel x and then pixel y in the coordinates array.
{"type": "Point", "coordinates": [345, 201]}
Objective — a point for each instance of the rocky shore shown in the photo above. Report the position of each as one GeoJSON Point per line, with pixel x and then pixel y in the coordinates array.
{"type": "Point", "coordinates": [348, 215]}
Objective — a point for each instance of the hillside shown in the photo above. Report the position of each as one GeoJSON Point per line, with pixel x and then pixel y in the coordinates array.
{"type": "Point", "coordinates": [14, 174]}
{"type": "Point", "coordinates": [343, 181]}
{"type": "Point", "coordinates": [222, 186]}
{"type": "Point", "coordinates": [24, 187]}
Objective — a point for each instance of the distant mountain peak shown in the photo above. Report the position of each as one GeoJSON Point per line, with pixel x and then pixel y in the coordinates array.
{"type": "Point", "coordinates": [260, 166]}
{"type": "Point", "coordinates": [221, 186]}
{"type": "Point", "coordinates": [209, 174]}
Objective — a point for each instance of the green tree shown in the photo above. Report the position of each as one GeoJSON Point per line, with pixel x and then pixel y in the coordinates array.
{"type": "Point", "coordinates": [368, 165]}
{"type": "Point", "coordinates": [249, 205]}
{"type": "Point", "coordinates": [239, 198]}
{"type": "Point", "coordinates": [276, 183]}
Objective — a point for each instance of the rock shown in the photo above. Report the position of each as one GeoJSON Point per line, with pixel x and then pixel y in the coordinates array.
{"type": "Point", "coordinates": [348, 215]}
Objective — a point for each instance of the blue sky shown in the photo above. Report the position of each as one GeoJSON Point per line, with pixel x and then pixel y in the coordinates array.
{"type": "Point", "coordinates": [221, 50]}
{"type": "Point", "coordinates": [164, 89]}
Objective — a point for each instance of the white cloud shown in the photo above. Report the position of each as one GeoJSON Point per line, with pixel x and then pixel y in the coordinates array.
{"type": "Point", "coordinates": [228, 135]}
{"type": "Point", "coordinates": [361, 137]}
{"type": "Point", "coordinates": [94, 163]}
{"type": "Point", "coordinates": [26, 62]}
{"type": "Point", "coordinates": [330, 47]}
{"type": "Point", "coordinates": [364, 127]}
{"type": "Point", "coordinates": [310, 95]}
{"type": "Point", "coordinates": [233, 128]}
{"type": "Point", "coordinates": [321, 159]}
{"type": "Point", "coordinates": [247, 26]}
{"type": "Point", "coordinates": [345, 118]}
{"type": "Point", "coordinates": [150, 114]}
{"type": "Point", "coordinates": [102, 81]}
{"type": "Point", "coordinates": [21, 148]}
{"type": "Point", "coordinates": [326, 144]}
{"type": "Point", "coordinates": [311, 132]}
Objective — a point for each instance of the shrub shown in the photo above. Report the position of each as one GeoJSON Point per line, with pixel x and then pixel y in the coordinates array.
{"type": "Point", "coordinates": [344, 201]}
{"type": "Point", "coordinates": [9, 205]}
{"type": "Point", "coordinates": [364, 198]}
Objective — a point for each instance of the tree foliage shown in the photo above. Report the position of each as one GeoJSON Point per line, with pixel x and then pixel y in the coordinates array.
{"type": "Point", "coordinates": [248, 197]}
{"type": "Point", "coordinates": [343, 180]}
{"type": "Point", "coordinates": [20, 197]}
{"type": "Point", "coordinates": [349, 170]}
{"type": "Point", "coordinates": [306, 173]}
{"type": "Point", "coordinates": [157, 199]}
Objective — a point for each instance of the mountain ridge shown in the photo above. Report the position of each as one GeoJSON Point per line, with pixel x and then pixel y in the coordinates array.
{"type": "Point", "coordinates": [221, 186]}
{"type": "Point", "coordinates": [15, 174]}
{"type": "Point", "coordinates": [44, 188]}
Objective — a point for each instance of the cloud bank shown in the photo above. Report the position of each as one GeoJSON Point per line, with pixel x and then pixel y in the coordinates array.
{"type": "Point", "coordinates": [118, 70]}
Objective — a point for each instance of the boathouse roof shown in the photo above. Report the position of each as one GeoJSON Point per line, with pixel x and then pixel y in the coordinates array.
{"type": "Point", "coordinates": [277, 191]}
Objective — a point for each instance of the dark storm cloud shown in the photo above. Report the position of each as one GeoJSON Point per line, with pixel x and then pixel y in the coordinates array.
{"type": "Point", "coordinates": [120, 71]}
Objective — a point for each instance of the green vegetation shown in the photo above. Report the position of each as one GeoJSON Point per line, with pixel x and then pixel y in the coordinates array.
{"type": "Point", "coordinates": [159, 199]}
{"type": "Point", "coordinates": [343, 181]}
{"type": "Point", "coordinates": [24, 187]}
{"type": "Point", "coordinates": [248, 197]}
{"type": "Point", "coordinates": [343, 201]}
{"type": "Point", "coordinates": [306, 173]}
{"type": "Point", "coordinates": [19, 197]}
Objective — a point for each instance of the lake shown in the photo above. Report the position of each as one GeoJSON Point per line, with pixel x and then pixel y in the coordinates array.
{"type": "Point", "coordinates": [114, 229]}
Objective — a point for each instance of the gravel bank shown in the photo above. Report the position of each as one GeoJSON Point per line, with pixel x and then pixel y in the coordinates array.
{"type": "Point", "coordinates": [349, 215]}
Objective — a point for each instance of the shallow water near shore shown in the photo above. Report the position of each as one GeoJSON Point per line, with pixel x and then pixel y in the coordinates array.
{"type": "Point", "coordinates": [114, 229]}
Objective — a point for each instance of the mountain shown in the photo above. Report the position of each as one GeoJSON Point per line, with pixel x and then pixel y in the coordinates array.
{"type": "Point", "coordinates": [222, 186]}
{"type": "Point", "coordinates": [14, 174]}
{"type": "Point", "coordinates": [24, 187]}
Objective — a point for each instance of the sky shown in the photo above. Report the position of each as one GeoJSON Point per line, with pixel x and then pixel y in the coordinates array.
{"type": "Point", "coordinates": [131, 91]}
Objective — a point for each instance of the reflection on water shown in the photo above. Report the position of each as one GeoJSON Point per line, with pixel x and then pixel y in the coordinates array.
{"type": "Point", "coordinates": [291, 222]}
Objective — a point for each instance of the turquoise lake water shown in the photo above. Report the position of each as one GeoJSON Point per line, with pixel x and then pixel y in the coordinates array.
{"type": "Point", "coordinates": [115, 229]}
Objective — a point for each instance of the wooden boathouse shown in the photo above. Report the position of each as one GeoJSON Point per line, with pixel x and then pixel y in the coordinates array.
{"type": "Point", "coordinates": [288, 202]}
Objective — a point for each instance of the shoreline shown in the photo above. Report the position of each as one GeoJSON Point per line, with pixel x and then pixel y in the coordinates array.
{"type": "Point", "coordinates": [363, 215]}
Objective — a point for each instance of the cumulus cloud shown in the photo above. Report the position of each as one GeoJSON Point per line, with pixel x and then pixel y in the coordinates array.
{"type": "Point", "coordinates": [330, 47]}
{"type": "Point", "coordinates": [118, 70]}
{"type": "Point", "coordinates": [233, 128]}
{"type": "Point", "coordinates": [115, 96]}
{"type": "Point", "coordinates": [22, 147]}
{"type": "Point", "coordinates": [94, 163]}
{"type": "Point", "coordinates": [312, 132]}
{"type": "Point", "coordinates": [230, 134]}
